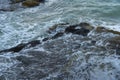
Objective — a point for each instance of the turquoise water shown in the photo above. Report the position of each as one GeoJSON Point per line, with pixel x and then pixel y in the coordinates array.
{"type": "Point", "coordinates": [24, 25]}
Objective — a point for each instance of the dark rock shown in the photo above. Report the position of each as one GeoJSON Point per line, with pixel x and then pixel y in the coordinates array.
{"type": "Point", "coordinates": [118, 49]}
{"type": "Point", "coordinates": [14, 49]}
{"type": "Point", "coordinates": [70, 29]}
{"type": "Point", "coordinates": [86, 25]}
{"type": "Point", "coordinates": [25, 60]}
{"type": "Point", "coordinates": [21, 46]}
{"type": "Point", "coordinates": [103, 29]}
{"type": "Point", "coordinates": [82, 24]}
{"type": "Point", "coordinates": [57, 35]}
{"type": "Point", "coordinates": [16, 1]}
{"type": "Point", "coordinates": [54, 27]}
{"type": "Point", "coordinates": [81, 31]}
{"type": "Point", "coordinates": [2, 77]}
{"type": "Point", "coordinates": [33, 43]}
{"type": "Point", "coordinates": [19, 1]}
{"type": "Point", "coordinates": [5, 10]}
{"type": "Point", "coordinates": [45, 39]}
{"type": "Point", "coordinates": [30, 3]}
{"type": "Point", "coordinates": [100, 29]}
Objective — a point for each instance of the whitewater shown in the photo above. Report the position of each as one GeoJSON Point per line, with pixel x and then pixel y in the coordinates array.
{"type": "Point", "coordinates": [27, 24]}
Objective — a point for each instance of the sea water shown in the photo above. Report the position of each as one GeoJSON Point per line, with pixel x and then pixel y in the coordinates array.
{"type": "Point", "coordinates": [24, 25]}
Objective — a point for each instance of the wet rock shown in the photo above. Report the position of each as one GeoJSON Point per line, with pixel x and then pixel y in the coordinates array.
{"type": "Point", "coordinates": [39, 64]}
{"type": "Point", "coordinates": [100, 29]}
{"type": "Point", "coordinates": [25, 60]}
{"type": "Point", "coordinates": [45, 39]}
{"type": "Point", "coordinates": [118, 49]}
{"type": "Point", "coordinates": [86, 25]}
{"type": "Point", "coordinates": [81, 31]}
{"type": "Point", "coordinates": [114, 40]}
{"type": "Point", "coordinates": [103, 29]}
{"type": "Point", "coordinates": [19, 1]}
{"type": "Point", "coordinates": [30, 3]}
{"type": "Point", "coordinates": [21, 46]}
{"type": "Point", "coordinates": [54, 27]}
{"type": "Point", "coordinates": [33, 43]}
{"type": "Point", "coordinates": [16, 1]}
{"type": "Point", "coordinates": [2, 77]}
{"type": "Point", "coordinates": [57, 35]}
{"type": "Point", "coordinates": [114, 32]}
{"type": "Point", "coordinates": [14, 49]}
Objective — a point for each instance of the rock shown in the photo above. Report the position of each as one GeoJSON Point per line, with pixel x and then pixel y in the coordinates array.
{"type": "Point", "coordinates": [103, 29]}
{"type": "Point", "coordinates": [25, 60]}
{"type": "Point", "coordinates": [39, 64]}
{"type": "Point", "coordinates": [54, 27]}
{"type": "Point", "coordinates": [114, 32]}
{"type": "Point", "coordinates": [57, 35]}
{"type": "Point", "coordinates": [19, 1]}
{"type": "Point", "coordinates": [118, 49]}
{"type": "Point", "coordinates": [86, 25]}
{"type": "Point", "coordinates": [30, 3]}
{"type": "Point", "coordinates": [16, 1]}
{"type": "Point", "coordinates": [2, 77]}
{"type": "Point", "coordinates": [113, 42]}
{"type": "Point", "coordinates": [21, 46]}
{"type": "Point", "coordinates": [45, 39]}
{"type": "Point", "coordinates": [81, 31]}
{"type": "Point", "coordinates": [33, 43]}
{"type": "Point", "coordinates": [100, 29]}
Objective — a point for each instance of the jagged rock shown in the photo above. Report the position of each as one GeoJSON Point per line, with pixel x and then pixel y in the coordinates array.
{"type": "Point", "coordinates": [45, 39]}
{"type": "Point", "coordinates": [57, 35]}
{"type": "Point", "coordinates": [21, 46]}
{"type": "Point", "coordinates": [81, 31]}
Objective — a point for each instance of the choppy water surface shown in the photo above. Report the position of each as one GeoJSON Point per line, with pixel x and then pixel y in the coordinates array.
{"type": "Point", "coordinates": [23, 25]}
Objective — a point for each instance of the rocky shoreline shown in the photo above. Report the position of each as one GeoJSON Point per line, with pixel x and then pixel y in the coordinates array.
{"type": "Point", "coordinates": [12, 5]}
{"type": "Point", "coordinates": [67, 46]}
